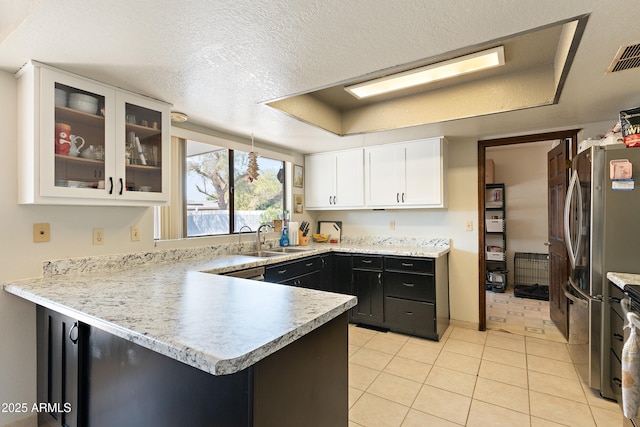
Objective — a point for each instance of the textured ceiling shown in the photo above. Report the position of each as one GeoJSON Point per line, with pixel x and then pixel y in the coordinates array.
{"type": "Point", "coordinates": [219, 61]}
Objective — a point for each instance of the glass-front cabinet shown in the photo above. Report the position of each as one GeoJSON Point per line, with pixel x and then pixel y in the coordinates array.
{"type": "Point", "coordinates": [84, 142]}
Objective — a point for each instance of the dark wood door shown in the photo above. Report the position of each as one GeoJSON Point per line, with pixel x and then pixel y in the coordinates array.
{"type": "Point", "coordinates": [558, 179]}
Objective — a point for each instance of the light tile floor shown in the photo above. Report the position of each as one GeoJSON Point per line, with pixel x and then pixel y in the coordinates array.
{"type": "Point", "coordinates": [506, 376]}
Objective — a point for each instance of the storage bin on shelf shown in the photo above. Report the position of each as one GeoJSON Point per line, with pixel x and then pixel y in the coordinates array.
{"type": "Point", "coordinates": [495, 256]}
{"type": "Point", "coordinates": [494, 225]}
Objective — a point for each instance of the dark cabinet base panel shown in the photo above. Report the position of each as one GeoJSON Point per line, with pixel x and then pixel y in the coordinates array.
{"type": "Point", "coordinates": [120, 383]}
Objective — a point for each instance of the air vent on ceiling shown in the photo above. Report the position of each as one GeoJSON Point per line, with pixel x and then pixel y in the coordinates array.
{"type": "Point", "coordinates": [627, 57]}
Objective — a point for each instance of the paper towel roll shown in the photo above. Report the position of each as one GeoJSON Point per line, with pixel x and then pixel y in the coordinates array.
{"type": "Point", "coordinates": [292, 232]}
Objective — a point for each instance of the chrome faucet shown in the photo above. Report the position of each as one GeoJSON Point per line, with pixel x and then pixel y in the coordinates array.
{"type": "Point", "coordinates": [258, 242]}
{"type": "Point", "coordinates": [240, 235]}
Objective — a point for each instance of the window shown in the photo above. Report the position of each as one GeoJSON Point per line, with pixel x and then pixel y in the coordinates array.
{"type": "Point", "coordinates": [216, 204]}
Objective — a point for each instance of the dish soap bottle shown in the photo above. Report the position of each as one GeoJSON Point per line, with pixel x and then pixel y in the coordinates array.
{"type": "Point", "coordinates": [284, 239]}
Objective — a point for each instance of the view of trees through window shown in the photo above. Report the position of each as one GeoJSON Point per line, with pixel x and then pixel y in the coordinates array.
{"type": "Point", "coordinates": [209, 190]}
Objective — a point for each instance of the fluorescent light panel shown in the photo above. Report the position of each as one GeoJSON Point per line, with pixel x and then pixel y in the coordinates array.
{"type": "Point", "coordinates": [442, 70]}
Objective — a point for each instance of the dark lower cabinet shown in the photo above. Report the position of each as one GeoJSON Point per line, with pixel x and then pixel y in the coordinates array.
{"type": "Point", "coordinates": [111, 381]}
{"type": "Point", "coordinates": [368, 287]}
{"type": "Point", "coordinates": [403, 294]}
{"type": "Point", "coordinates": [616, 340]}
{"type": "Point", "coordinates": [410, 317]}
{"type": "Point", "coordinates": [130, 385]}
{"type": "Point", "coordinates": [305, 272]}
{"type": "Point", "coordinates": [410, 295]}
{"type": "Point", "coordinates": [341, 273]}
{"type": "Point", "coordinates": [62, 347]}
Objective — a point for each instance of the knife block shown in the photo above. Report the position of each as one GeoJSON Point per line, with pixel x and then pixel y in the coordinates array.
{"type": "Point", "coordinates": [302, 240]}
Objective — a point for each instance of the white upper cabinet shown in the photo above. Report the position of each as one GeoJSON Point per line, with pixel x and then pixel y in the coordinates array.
{"type": "Point", "coordinates": [86, 143]}
{"type": "Point", "coordinates": [406, 175]}
{"type": "Point", "coordinates": [334, 180]}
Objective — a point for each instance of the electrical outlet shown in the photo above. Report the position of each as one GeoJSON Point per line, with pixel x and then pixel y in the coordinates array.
{"type": "Point", "coordinates": [41, 233]}
{"type": "Point", "coordinates": [392, 225]}
{"type": "Point", "coordinates": [469, 225]}
{"type": "Point", "coordinates": [98, 236]}
{"type": "Point", "coordinates": [135, 233]}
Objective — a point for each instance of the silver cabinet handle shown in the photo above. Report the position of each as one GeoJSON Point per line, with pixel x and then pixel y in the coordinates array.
{"type": "Point", "coordinates": [397, 197]}
{"type": "Point", "coordinates": [366, 261]}
{"type": "Point", "coordinates": [282, 271]}
{"type": "Point", "coordinates": [402, 197]}
{"type": "Point", "coordinates": [407, 264]}
{"type": "Point", "coordinates": [409, 285]}
{"type": "Point", "coordinates": [74, 337]}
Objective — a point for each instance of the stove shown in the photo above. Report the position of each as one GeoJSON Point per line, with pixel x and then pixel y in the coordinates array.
{"type": "Point", "coordinates": [634, 293]}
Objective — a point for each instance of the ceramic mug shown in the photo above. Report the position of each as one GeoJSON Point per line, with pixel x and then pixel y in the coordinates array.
{"type": "Point", "coordinates": [63, 139]}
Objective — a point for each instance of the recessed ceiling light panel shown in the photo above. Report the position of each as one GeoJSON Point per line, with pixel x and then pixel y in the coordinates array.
{"type": "Point", "coordinates": [442, 70]}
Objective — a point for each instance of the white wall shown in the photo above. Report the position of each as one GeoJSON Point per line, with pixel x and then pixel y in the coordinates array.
{"type": "Point", "coordinates": [449, 223]}
{"type": "Point", "coordinates": [523, 170]}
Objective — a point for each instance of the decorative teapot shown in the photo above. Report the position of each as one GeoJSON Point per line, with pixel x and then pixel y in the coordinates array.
{"type": "Point", "coordinates": [74, 150]}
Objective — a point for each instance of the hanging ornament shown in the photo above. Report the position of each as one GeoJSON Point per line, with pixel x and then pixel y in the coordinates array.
{"type": "Point", "coordinates": [252, 168]}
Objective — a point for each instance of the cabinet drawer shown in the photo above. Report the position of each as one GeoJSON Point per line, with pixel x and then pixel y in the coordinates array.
{"type": "Point", "coordinates": [411, 286]}
{"type": "Point", "coordinates": [372, 262]}
{"type": "Point", "coordinates": [414, 265]}
{"type": "Point", "coordinates": [617, 334]}
{"type": "Point", "coordinates": [412, 317]}
{"type": "Point", "coordinates": [615, 373]}
{"type": "Point", "coordinates": [287, 270]}
{"type": "Point", "coordinates": [616, 295]}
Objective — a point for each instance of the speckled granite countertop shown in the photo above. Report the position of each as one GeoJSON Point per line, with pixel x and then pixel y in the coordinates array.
{"type": "Point", "coordinates": [169, 302]}
{"type": "Point", "coordinates": [622, 279]}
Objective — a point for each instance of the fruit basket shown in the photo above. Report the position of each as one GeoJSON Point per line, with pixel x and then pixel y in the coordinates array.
{"type": "Point", "coordinates": [320, 238]}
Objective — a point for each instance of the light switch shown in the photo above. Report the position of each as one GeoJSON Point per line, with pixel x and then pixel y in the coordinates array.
{"type": "Point", "coordinates": [469, 225]}
{"type": "Point", "coordinates": [135, 233]}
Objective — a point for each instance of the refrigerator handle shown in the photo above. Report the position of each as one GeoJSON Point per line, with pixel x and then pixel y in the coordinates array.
{"type": "Point", "coordinates": [567, 293]}
{"type": "Point", "coordinates": [569, 287]}
{"type": "Point", "coordinates": [575, 182]}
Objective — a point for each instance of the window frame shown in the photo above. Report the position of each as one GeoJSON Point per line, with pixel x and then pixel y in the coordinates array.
{"type": "Point", "coordinates": [179, 138]}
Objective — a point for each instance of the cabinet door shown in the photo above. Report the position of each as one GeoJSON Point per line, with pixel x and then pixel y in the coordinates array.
{"type": "Point", "coordinates": [367, 286]}
{"type": "Point", "coordinates": [76, 155]}
{"type": "Point", "coordinates": [341, 270]}
{"type": "Point", "coordinates": [142, 148]}
{"type": "Point", "coordinates": [61, 349]}
{"type": "Point", "coordinates": [383, 175]}
{"type": "Point", "coordinates": [405, 175]}
{"type": "Point", "coordinates": [319, 180]}
{"type": "Point", "coordinates": [423, 173]}
{"type": "Point", "coordinates": [349, 178]}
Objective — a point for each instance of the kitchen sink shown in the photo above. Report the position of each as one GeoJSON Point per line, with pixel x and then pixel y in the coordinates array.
{"type": "Point", "coordinates": [262, 254]}
{"type": "Point", "coordinates": [273, 252]}
{"type": "Point", "coordinates": [288, 250]}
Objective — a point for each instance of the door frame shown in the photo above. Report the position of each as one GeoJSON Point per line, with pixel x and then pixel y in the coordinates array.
{"type": "Point", "coordinates": [482, 146]}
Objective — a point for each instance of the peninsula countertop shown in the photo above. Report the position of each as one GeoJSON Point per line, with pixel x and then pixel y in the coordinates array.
{"type": "Point", "coordinates": [177, 307]}
{"type": "Point", "coordinates": [622, 279]}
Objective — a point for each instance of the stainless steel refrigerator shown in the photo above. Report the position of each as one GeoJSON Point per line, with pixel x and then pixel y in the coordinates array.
{"type": "Point", "coordinates": [602, 233]}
